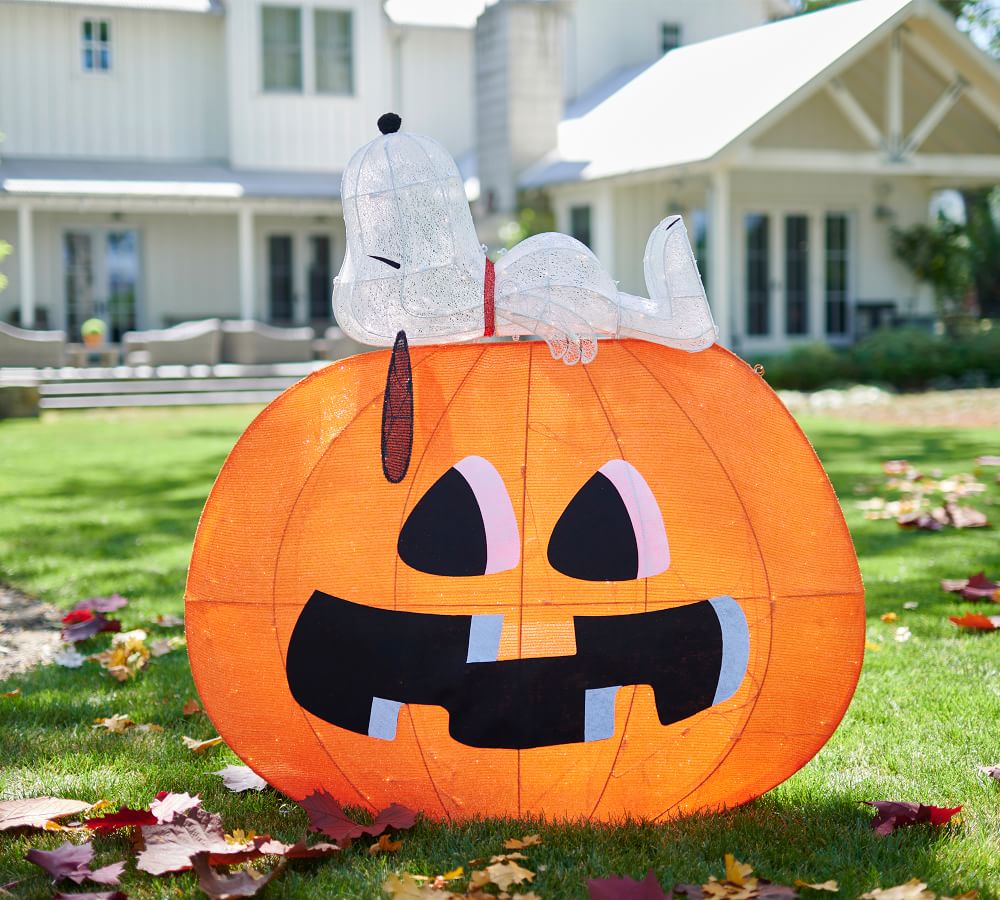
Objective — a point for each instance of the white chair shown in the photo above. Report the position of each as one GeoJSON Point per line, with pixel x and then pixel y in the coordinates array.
{"type": "Point", "coordinates": [254, 343]}
{"type": "Point", "coordinates": [187, 344]}
{"type": "Point", "coordinates": [20, 347]}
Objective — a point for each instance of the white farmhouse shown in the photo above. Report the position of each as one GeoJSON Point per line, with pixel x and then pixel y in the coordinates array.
{"type": "Point", "coordinates": [167, 160]}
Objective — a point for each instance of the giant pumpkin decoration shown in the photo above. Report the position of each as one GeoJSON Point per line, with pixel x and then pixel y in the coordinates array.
{"type": "Point", "coordinates": [491, 584]}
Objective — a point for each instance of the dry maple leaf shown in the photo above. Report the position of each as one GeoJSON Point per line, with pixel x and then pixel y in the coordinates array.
{"type": "Point", "coordinates": [72, 861]}
{"type": "Point", "coordinates": [328, 816]}
{"type": "Point", "coordinates": [100, 895]}
{"type": "Point", "coordinates": [830, 885]}
{"type": "Point", "coordinates": [160, 647]}
{"type": "Point", "coordinates": [891, 815]}
{"type": "Point", "coordinates": [191, 706]}
{"type": "Point", "coordinates": [736, 872]}
{"type": "Point", "coordinates": [406, 887]}
{"type": "Point", "coordinates": [222, 886]}
{"type": "Point", "coordinates": [169, 621]}
{"type": "Point", "coordinates": [974, 588]}
{"type": "Point", "coordinates": [976, 622]}
{"type": "Point", "coordinates": [167, 806]}
{"type": "Point", "coordinates": [85, 624]}
{"type": "Point", "coordinates": [992, 771]}
{"type": "Point", "coordinates": [196, 746]}
{"type": "Point", "coordinates": [124, 818]}
{"type": "Point", "coordinates": [36, 811]}
{"type": "Point", "coordinates": [914, 889]}
{"type": "Point", "coordinates": [872, 646]}
{"type": "Point", "coordinates": [507, 873]}
{"type": "Point", "coordinates": [69, 658]}
{"type": "Point", "coordinates": [170, 846]}
{"type": "Point", "coordinates": [11, 694]}
{"type": "Point", "coordinates": [889, 617]}
{"type": "Point", "coordinates": [116, 724]}
{"type": "Point", "coordinates": [385, 845]}
{"type": "Point", "coordinates": [621, 887]}
{"type": "Point", "coordinates": [102, 604]}
{"type": "Point", "coordinates": [241, 778]}
{"type": "Point", "coordinates": [529, 840]}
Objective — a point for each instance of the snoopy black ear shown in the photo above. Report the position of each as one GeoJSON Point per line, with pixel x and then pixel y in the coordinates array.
{"type": "Point", "coordinates": [397, 413]}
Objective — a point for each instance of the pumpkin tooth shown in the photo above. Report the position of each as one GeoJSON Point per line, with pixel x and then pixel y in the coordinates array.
{"type": "Point", "coordinates": [599, 713]}
{"type": "Point", "coordinates": [484, 638]}
{"type": "Point", "coordinates": [384, 718]}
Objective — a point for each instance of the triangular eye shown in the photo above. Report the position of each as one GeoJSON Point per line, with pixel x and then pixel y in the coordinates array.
{"type": "Point", "coordinates": [464, 525]}
{"type": "Point", "coordinates": [612, 529]}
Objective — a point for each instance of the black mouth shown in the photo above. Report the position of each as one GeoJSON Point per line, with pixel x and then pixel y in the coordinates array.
{"type": "Point", "coordinates": [388, 262]}
{"type": "Point", "coordinates": [354, 666]}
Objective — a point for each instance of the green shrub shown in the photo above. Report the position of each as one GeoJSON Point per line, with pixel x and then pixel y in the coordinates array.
{"type": "Point", "coordinates": [807, 367]}
{"type": "Point", "coordinates": [906, 358]}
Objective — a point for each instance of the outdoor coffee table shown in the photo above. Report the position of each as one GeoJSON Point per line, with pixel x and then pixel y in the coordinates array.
{"type": "Point", "coordinates": [81, 356]}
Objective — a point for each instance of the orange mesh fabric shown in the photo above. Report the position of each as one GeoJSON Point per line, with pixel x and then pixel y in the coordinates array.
{"type": "Point", "coordinates": [302, 505]}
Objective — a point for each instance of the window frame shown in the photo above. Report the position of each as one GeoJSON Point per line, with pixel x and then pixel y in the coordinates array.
{"type": "Point", "coordinates": [94, 44]}
{"type": "Point", "coordinates": [302, 48]}
{"type": "Point", "coordinates": [316, 11]}
{"type": "Point", "coordinates": [678, 30]}
{"type": "Point", "coordinates": [571, 214]}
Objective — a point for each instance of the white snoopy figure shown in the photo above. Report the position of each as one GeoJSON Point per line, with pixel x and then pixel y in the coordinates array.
{"type": "Point", "coordinates": [414, 263]}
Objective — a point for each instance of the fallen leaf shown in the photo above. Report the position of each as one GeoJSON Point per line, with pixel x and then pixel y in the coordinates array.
{"type": "Point", "coordinates": [529, 840]}
{"type": "Point", "coordinates": [621, 887]}
{"type": "Point", "coordinates": [124, 818]}
{"type": "Point", "coordinates": [976, 621]}
{"type": "Point", "coordinates": [101, 895]}
{"type": "Point", "coordinates": [385, 845]}
{"type": "Point", "coordinates": [160, 647]}
{"type": "Point", "coordinates": [149, 727]}
{"type": "Point", "coordinates": [167, 806]}
{"type": "Point", "coordinates": [920, 521]}
{"type": "Point", "coordinates": [241, 778]}
{"type": "Point", "coordinates": [298, 850]}
{"type": "Point", "coordinates": [69, 658]}
{"type": "Point", "coordinates": [980, 588]}
{"type": "Point", "coordinates": [196, 746]}
{"type": "Point", "coordinates": [902, 634]}
{"type": "Point", "coordinates": [191, 706]}
{"type": "Point", "coordinates": [11, 694]}
{"type": "Point", "coordinates": [965, 516]}
{"type": "Point", "coordinates": [737, 872]}
{"type": "Point", "coordinates": [36, 811]}
{"type": "Point", "coordinates": [102, 604]}
{"type": "Point", "coordinates": [406, 887]}
{"type": "Point", "coordinates": [914, 889]}
{"type": "Point", "coordinates": [507, 873]}
{"type": "Point", "coordinates": [86, 624]}
{"type": "Point", "coordinates": [72, 861]}
{"type": "Point", "coordinates": [170, 846]}
{"type": "Point", "coordinates": [992, 771]}
{"type": "Point", "coordinates": [219, 886]}
{"type": "Point", "coordinates": [127, 655]}
{"type": "Point", "coordinates": [116, 724]}
{"type": "Point", "coordinates": [889, 617]}
{"type": "Point", "coordinates": [891, 815]}
{"type": "Point", "coordinates": [910, 604]}
{"type": "Point", "coordinates": [169, 621]}
{"type": "Point", "coordinates": [872, 645]}
{"type": "Point", "coordinates": [328, 816]}
{"type": "Point", "coordinates": [830, 885]}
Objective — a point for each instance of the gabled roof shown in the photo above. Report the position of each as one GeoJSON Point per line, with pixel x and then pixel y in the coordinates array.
{"type": "Point", "coordinates": [699, 99]}
{"type": "Point", "coordinates": [190, 6]}
{"type": "Point", "coordinates": [435, 13]}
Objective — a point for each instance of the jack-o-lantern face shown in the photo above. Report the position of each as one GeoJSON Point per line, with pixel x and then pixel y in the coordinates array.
{"type": "Point", "coordinates": [625, 588]}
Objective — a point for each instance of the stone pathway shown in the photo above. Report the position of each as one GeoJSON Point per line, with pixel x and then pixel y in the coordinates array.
{"type": "Point", "coordinates": [29, 631]}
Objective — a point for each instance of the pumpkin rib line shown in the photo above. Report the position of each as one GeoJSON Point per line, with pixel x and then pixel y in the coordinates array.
{"type": "Point", "coordinates": [645, 606]}
{"type": "Point", "coordinates": [281, 542]}
{"type": "Point", "coordinates": [770, 622]}
{"type": "Point", "coordinates": [395, 569]}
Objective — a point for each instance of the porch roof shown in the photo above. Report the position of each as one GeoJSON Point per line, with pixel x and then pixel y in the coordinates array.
{"type": "Point", "coordinates": [145, 179]}
{"type": "Point", "coordinates": [187, 6]}
{"type": "Point", "coordinates": [700, 99]}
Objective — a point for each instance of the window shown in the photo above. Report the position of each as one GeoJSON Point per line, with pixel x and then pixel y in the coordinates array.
{"type": "Point", "coordinates": [334, 47]}
{"type": "Point", "coordinates": [670, 36]}
{"type": "Point", "coordinates": [796, 274]}
{"type": "Point", "coordinates": [280, 278]}
{"type": "Point", "coordinates": [757, 228]}
{"type": "Point", "coordinates": [320, 279]}
{"type": "Point", "coordinates": [96, 45]}
{"type": "Point", "coordinates": [836, 273]}
{"type": "Point", "coordinates": [579, 223]}
{"type": "Point", "coordinates": [281, 48]}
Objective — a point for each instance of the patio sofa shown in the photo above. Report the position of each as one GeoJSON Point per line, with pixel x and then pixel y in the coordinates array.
{"type": "Point", "coordinates": [336, 345]}
{"type": "Point", "coordinates": [254, 343]}
{"type": "Point", "coordinates": [187, 344]}
{"type": "Point", "coordinates": [36, 349]}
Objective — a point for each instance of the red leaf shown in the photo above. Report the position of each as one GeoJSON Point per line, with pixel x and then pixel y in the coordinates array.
{"type": "Point", "coordinates": [103, 895]}
{"type": "Point", "coordinates": [328, 816]}
{"type": "Point", "coordinates": [976, 621]}
{"type": "Point", "coordinates": [77, 615]}
{"type": "Point", "coordinates": [979, 587]}
{"type": "Point", "coordinates": [239, 884]}
{"type": "Point", "coordinates": [618, 887]}
{"type": "Point", "coordinates": [36, 811]}
{"type": "Point", "coordinates": [72, 861]}
{"type": "Point", "coordinates": [124, 818]}
{"type": "Point", "coordinates": [891, 815]}
{"type": "Point", "coordinates": [170, 845]}
{"type": "Point", "coordinates": [80, 631]}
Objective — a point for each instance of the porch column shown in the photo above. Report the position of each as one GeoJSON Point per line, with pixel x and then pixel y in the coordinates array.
{"type": "Point", "coordinates": [25, 250]}
{"type": "Point", "coordinates": [719, 284]}
{"type": "Point", "coordinates": [604, 226]}
{"type": "Point", "coordinates": [246, 283]}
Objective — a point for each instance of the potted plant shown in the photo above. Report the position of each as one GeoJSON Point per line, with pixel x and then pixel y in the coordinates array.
{"type": "Point", "coordinates": [93, 331]}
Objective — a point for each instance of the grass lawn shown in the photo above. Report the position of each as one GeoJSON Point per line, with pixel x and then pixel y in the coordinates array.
{"type": "Point", "coordinates": [104, 502]}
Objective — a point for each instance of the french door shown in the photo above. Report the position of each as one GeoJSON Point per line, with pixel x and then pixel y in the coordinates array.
{"type": "Point", "coordinates": [300, 278]}
{"type": "Point", "coordinates": [797, 270]}
{"type": "Point", "coordinates": [101, 271]}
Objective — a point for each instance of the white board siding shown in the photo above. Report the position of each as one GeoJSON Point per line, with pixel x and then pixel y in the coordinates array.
{"type": "Point", "coordinates": [309, 131]}
{"type": "Point", "coordinates": [436, 84]}
{"type": "Point", "coordinates": [164, 97]}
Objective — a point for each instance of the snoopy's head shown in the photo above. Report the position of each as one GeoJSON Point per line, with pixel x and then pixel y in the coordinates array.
{"type": "Point", "coordinates": [412, 251]}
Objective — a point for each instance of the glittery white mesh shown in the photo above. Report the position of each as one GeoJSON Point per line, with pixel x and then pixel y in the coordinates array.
{"type": "Point", "coordinates": [414, 263]}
